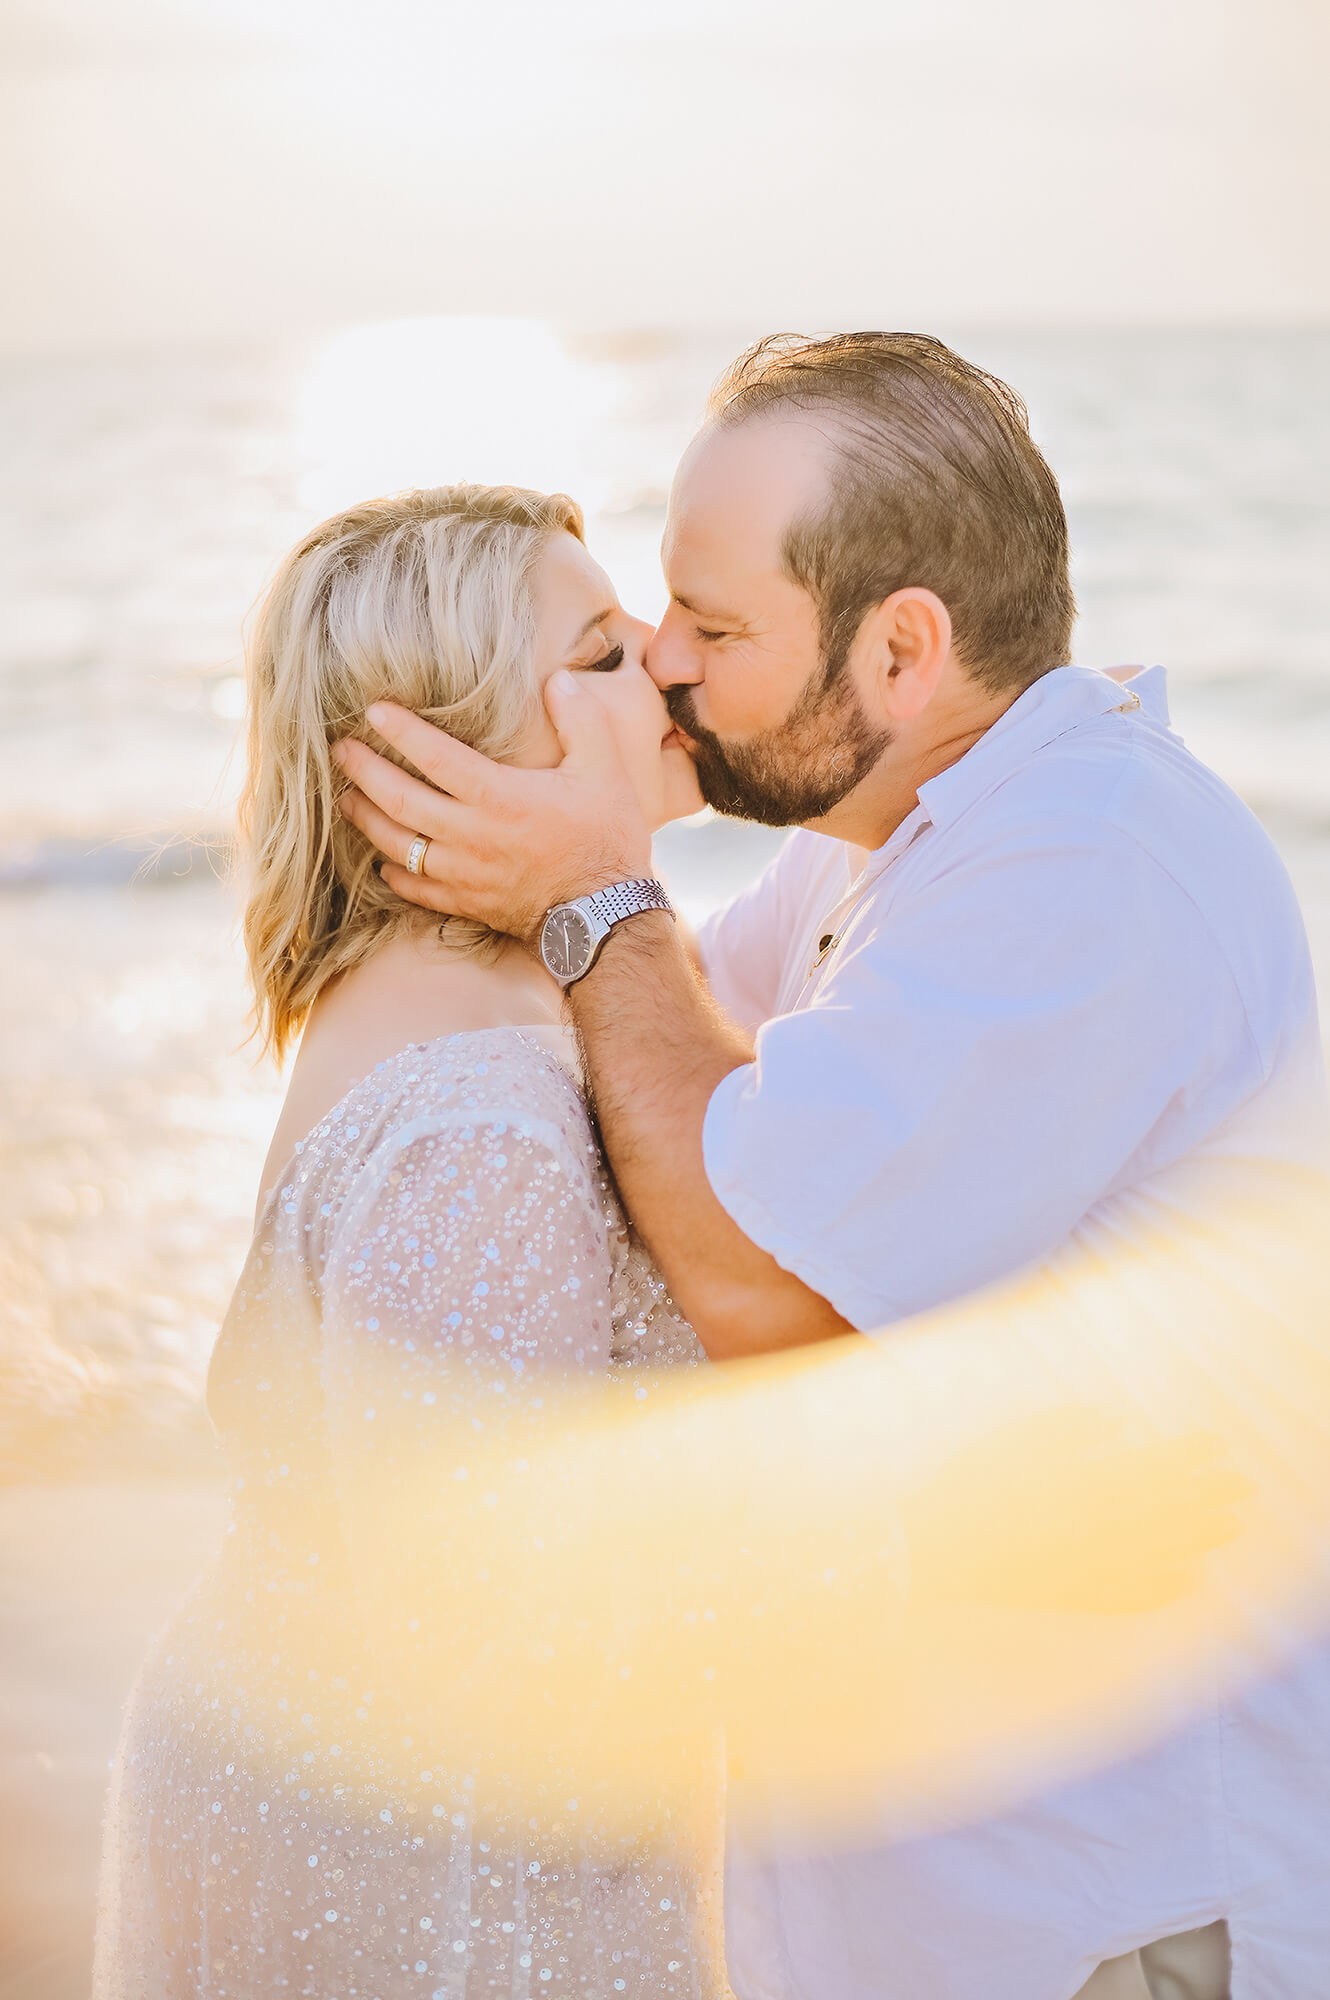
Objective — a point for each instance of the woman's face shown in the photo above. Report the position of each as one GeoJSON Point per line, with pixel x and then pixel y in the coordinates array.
{"type": "Point", "coordinates": [580, 625]}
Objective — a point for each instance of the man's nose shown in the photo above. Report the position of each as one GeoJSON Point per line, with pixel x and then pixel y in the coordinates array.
{"type": "Point", "coordinates": [669, 659]}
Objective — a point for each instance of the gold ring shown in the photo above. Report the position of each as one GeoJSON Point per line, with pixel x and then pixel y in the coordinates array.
{"type": "Point", "coordinates": [415, 855]}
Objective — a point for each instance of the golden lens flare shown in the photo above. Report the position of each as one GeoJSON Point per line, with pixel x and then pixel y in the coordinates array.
{"type": "Point", "coordinates": [880, 1583]}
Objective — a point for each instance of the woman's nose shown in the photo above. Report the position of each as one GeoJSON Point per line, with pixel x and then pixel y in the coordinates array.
{"type": "Point", "coordinates": [635, 665]}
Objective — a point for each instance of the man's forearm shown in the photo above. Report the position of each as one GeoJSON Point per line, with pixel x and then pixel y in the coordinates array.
{"type": "Point", "coordinates": [657, 1047]}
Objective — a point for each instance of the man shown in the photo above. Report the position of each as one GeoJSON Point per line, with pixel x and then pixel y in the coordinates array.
{"type": "Point", "coordinates": [1029, 976]}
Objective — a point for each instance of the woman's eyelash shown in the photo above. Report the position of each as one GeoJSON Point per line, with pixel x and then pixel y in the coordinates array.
{"type": "Point", "coordinates": [612, 659]}
{"type": "Point", "coordinates": [709, 637]}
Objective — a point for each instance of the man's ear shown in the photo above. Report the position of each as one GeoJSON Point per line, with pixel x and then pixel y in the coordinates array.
{"type": "Point", "coordinates": [901, 649]}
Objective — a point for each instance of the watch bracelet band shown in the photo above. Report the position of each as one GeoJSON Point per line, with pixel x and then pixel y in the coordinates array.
{"type": "Point", "coordinates": [627, 899]}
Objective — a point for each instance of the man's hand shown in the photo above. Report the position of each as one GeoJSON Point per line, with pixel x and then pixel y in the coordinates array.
{"type": "Point", "coordinates": [504, 844]}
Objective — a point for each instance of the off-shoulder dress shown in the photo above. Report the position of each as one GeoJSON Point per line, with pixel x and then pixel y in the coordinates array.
{"type": "Point", "coordinates": [451, 1219]}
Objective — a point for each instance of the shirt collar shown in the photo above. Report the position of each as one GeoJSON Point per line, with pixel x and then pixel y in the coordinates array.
{"type": "Point", "coordinates": [1150, 686]}
{"type": "Point", "coordinates": [1055, 703]}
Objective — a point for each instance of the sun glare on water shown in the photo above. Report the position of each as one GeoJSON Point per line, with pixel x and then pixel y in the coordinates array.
{"type": "Point", "coordinates": [427, 402]}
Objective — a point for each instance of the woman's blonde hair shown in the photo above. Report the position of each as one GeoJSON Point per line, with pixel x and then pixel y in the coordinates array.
{"type": "Point", "coordinates": [424, 599]}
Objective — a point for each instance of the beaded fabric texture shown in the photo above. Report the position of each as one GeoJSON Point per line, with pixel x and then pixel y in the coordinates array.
{"type": "Point", "coordinates": [266, 1831]}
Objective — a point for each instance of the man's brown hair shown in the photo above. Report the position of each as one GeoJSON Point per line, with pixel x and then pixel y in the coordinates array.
{"type": "Point", "coordinates": [935, 482]}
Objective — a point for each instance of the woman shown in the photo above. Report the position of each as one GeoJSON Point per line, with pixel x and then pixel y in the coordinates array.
{"type": "Point", "coordinates": [435, 1222]}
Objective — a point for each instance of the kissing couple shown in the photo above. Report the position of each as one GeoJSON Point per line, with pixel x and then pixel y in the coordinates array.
{"type": "Point", "coordinates": [1026, 976]}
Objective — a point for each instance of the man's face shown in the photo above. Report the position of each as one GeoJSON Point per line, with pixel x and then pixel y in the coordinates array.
{"type": "Point", "coordinates": [777, 733]}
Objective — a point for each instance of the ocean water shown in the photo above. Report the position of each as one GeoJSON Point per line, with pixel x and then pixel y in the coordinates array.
{"type": "Point", "coordinates": [145, 497]}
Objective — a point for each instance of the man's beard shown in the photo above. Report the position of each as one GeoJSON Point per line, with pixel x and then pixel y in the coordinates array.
{"type": "Point", "coordinates": [795, 772]}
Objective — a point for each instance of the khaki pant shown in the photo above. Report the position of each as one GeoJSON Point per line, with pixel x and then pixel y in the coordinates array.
{"type": "Point", "coordinates": [1192, 1966]}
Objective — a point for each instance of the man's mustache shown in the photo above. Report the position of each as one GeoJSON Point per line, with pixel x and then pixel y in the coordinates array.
{"type": "Point", "coordinates": [682, 712]}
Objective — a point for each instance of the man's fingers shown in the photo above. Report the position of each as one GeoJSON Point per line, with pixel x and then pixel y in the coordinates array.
{"type": "Point", "coordinates": [384, 833]}
{"type": "Point", "coordinates": [403, 800]}
{"type": "Point", "coordinates": [454, 767]}
{"type": "Point", "coordinates": [581, 724]}
{"type": "Point", "coordinates": [417, 889]}
{"type": "Point", "coordinates": [395, 842]}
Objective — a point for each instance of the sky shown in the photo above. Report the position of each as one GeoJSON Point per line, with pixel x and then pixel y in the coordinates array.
{"type": "Point", "coordinates": [225, 169]}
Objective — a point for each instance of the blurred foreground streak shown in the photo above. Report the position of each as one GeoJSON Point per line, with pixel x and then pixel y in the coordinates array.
{"type": "Point", "coordinates": [901, 1581]}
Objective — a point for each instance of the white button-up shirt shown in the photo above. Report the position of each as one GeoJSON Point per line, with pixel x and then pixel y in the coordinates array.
{"type": "Point", "coordinates": [1071, 988]}
{"type": "Point", "coordinates": [1077, 967]}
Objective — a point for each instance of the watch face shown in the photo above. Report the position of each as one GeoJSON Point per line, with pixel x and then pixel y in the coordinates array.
{"type": "Point", "coordinates": [565, 942]}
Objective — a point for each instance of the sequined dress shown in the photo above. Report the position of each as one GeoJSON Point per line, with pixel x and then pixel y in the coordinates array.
{"type": "Point", "coordinates": [451, 1213]}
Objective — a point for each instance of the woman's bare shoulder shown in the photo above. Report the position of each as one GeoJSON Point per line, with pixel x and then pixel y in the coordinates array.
{"type": "Point", "coordinates": [518, 1073]}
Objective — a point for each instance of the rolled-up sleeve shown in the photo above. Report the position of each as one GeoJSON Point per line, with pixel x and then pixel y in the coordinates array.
{"type": "Point", "coordinates": [980, 1066]}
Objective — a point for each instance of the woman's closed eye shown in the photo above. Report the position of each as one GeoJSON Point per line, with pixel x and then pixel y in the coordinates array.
{"type": "Point", "coordinates": [607, 662]}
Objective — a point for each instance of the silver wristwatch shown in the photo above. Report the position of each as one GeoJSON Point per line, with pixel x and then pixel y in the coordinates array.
{"type": "Point", "coordinates": [573, 933]}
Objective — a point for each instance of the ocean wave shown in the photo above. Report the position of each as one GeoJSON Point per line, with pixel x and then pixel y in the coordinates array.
{"type": "Point", "coordinates": [113, 863]}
